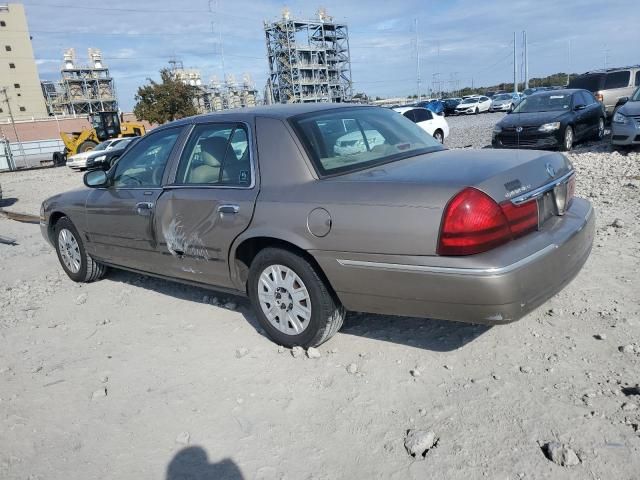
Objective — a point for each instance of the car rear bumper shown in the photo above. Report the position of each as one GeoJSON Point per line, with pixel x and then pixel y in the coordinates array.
{"type": "Point", "coordinates": [496, 287]}
{"type": "Point", "coordinates": [625, 134]}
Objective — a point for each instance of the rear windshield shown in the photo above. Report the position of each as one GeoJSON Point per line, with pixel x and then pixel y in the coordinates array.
{"type": "Point", "coordinates": [590, 81]}
{"type": "Point", "coordinates": [349, 139]}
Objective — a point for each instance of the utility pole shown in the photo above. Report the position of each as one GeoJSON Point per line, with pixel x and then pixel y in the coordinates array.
{"type": "Point", "coordinates": [415, 25]}
{"type": "Point", "coordinates": [515, 65]}
{"type": "Point", "coordinates": [569, 65]}
{"type": "Point", "coordinates": [606, 56]}
{"type": "Point", "coordinates": [13, 124]}
{"type": "Point", "coordinates": [526, 61]}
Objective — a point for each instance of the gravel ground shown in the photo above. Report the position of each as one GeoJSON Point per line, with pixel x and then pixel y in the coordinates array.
{"type": "Point", "coordinates": [133, 377]}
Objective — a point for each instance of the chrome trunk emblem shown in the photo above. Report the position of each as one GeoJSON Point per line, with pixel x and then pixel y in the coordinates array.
{"type": "Point", "coordinates": [550, 170]}
{"type": "Point", "coordinates": [518, 129]}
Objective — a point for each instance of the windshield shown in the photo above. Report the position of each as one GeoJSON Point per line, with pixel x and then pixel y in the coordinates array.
{"type": "Point", "coordinates": [348, 139]}
{"type": "Point", "coordinates": [545, 103]}
{"type": "Point", "coordinates": [102, 146]}
{"type": "Point", "coordinates": [469, 100]}
{"type": "Point", "coordinates": [502, 96]}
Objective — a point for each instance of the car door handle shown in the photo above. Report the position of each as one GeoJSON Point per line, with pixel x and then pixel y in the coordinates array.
{"type": "Point", "coordinates": [144, 208]}
{"type": "Point", "coordinates": [231, 209]}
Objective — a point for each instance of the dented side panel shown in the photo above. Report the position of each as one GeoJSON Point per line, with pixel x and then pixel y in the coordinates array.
{"type": "Point", "coordinates": [195, 229]}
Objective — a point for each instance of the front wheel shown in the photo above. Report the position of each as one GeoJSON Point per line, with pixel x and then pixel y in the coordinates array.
{"type": "Point", "coordinates": [477, 111]}
{"type": "Point", "coordinates": [439, 136]}
{"type": "Point", "coordinates": [599, 135]}
{"type": "Point", "coordinates": [567, 139]}
{"type": "Point", "coordinates": [73, 257]}
{"type": "Point", "coordinates": [292, 302]}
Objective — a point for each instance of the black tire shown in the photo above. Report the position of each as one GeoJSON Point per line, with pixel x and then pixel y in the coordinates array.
{"type": "Point", "coordinates": [86, 146]}
{"type": "Point", "coordinates": [477, 111]}
{"type": "Point", "coordinates": [89, 270]}
{"type": "Point", "coordinates": [566, 146]}
{"type": "Point", "coordinates": [599, 134]}
{"type": "Point", "coordinates": [327, 314]}
{"type": "Point", "coordinates": [438, 135]}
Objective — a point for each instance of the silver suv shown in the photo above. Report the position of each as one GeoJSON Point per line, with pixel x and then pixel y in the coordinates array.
{"type": "Point", "coordinates": [609, 85]}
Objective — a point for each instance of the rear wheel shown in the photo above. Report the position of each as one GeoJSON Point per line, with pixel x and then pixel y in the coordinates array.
{"type": "Point", "coordinates": [86, 146]}
{"type": "Point", "coordinates": [477, 111]}
{"type": "Point", "coordinates": [439, 136]}
{"type": "Point", "coordinates": [73, 257]}
{"type": "Point", "coordinates": [291, 300]}
{"type": "Point", "coordinates": [567, 139]}
{"type": "Point", "coordinates": [599, 135]}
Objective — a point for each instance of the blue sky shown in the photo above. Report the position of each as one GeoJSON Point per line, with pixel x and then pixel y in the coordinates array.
{"type": "Point", "coordinates": [460, 39]}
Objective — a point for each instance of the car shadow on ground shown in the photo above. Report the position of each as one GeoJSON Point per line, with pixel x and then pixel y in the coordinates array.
{"type": "Point", "coordinates": [7, 202]}
{"type": "Point", "coordinates": [434, 335]}
{"type": "Point", "coordinates": [193, 463]}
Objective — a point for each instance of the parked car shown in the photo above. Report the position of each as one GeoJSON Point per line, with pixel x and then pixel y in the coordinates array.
{"type": "Point", "coordinates": [433, 105]}
{"type": "Point", "coordinates": [555, 119]}
{"type": "Point", "coordinates": [434, 125]}
{"type": "Point", "coordinates": [450, 105]}
{"type": "Point", "coordinates": [609, 85]}
{"type": "Point", "coordinates": [625, 124]}
{"type": "Point", "coordinates": [474, 105]}
{"type": "Point", "coordinates": [79, 160]}
{"type": "Point", "coordinates": [504, 102]}
{"type": "Point", "coordinates": [105, 159]}
{"type": "Point", "coordinates": [405, 227]}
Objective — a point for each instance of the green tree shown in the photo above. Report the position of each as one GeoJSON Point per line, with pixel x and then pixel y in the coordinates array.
{"type": "Point", "coordinates": [165, 101]}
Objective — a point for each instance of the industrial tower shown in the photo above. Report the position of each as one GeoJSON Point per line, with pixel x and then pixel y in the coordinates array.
{"type": "Point", "coordinates": [308, 60]}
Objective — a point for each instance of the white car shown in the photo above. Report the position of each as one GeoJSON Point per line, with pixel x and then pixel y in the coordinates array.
{"type": "Point", "coordinates": [79, 160]}
{"type": "Point", "coordinates": [474, 105]}
{"type": "Point", "coordinates": [353, 142]}
{"type": "Point", "coordinates": [504, 102]}
{"type": "Point", "coordinates": [434, 125]}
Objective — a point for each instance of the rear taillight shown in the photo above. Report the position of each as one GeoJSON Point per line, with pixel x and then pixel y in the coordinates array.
{"type": "Point", "coordinates": [599, 97]}
{"type": "Point", "coordinates": [474, 223]}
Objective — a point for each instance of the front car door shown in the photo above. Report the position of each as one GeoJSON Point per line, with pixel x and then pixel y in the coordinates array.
{"type": "Point", "coordinates": [424, 119]}
{"type": "Point", "coordinates": [208, 202]}
{"type": "Point", "coordinates": [120, 217]}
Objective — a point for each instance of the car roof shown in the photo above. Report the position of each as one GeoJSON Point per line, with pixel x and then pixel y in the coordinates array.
{"type": "Point", "coordinates": [279, 111]}
{"type": "Point", "coordinates": [406, 109]}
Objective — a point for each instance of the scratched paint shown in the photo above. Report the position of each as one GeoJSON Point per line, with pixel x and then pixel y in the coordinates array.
{"type": "Point", "coordinates": [180, 242]}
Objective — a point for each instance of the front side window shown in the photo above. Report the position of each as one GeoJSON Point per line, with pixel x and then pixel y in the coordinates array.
{"type": "Point", "coordinates": [617, 80]}
{"type": "Point", "coordinates": [217, 154]}
{"type": "Point", "coordinates": [381, 136]}
{"type": "Point", "coordinates": [143, 166]}
{"type": "Point", "coordinates": [422, 115]}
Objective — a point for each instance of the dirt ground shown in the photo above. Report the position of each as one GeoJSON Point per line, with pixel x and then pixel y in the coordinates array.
{"type": "Point", "coordinates": [138, 378]}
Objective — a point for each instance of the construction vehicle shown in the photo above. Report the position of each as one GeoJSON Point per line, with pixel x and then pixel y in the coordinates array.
{"type": "Point", "coordinates": [104, 125]}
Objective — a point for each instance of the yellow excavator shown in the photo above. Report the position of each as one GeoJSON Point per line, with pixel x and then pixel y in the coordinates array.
{"type": "Point", "coordinates": [104, 125]}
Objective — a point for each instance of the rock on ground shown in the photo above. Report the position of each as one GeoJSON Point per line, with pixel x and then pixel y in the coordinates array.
{"type": "Point", "coordinates": [419, 442]}
{"type": "Point", "coordinates": [560, 454]}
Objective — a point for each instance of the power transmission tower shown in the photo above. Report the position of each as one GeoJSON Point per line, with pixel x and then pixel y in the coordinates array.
{"type": "Point", "coordinates": [415, 24]}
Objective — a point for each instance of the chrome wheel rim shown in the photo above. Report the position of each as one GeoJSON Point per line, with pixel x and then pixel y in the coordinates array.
{"type": "Point", "coordinates": [600, 128]}
{"type": "Point", "coordinates": [69, 250]}
{"type": "Point", "coordinates": [568, 139]}
{"type": "Point", "coordinates": [438, 137]}
{"type": "Point", "coordinates": [284, 299]}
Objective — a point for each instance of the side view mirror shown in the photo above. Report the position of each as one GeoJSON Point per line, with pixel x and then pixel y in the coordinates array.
{"type": "Point", "coordinates": [95, 179]}
{"type": "Point", "coordinates": [622, 101]}
{"type": "Point", "coordinates": [580, 107]}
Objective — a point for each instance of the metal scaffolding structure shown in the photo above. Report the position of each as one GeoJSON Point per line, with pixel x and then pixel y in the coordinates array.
{"type": "Point", "coordinates": [217, 96]}
{"type": "Point", "coordinates": [309, 60]}
{"type": "Point", "coordinates": [82, 89]}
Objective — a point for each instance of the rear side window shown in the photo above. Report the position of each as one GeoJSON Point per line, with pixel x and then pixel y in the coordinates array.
{"type": "Point", "coordinates": [216, 154]}
{"type": "Point", "coordinates": [617, 80]}
{"type": "Point", "coordinates": [638, 78]}
{"type": "Point", "coordinates": [590, 81]}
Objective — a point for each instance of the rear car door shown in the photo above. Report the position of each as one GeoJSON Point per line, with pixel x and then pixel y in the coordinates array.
{"type": "Point", "coordinates": [209, 201]}
{"type": "Point", "coordinates": [120, 217]}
